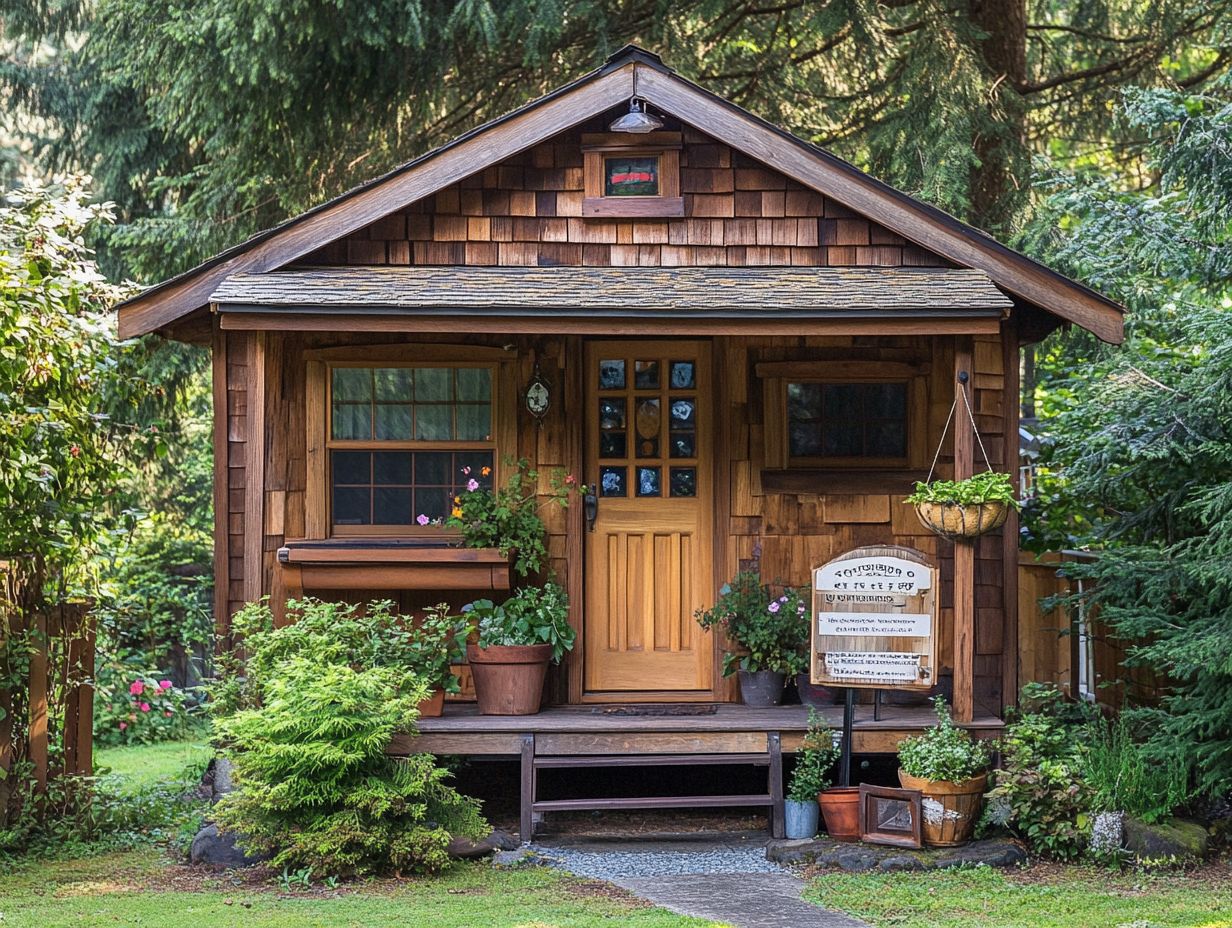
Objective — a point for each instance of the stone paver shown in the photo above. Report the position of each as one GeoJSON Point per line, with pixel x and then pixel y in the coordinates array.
{"type": "Point", "coordinates": [744, 900]}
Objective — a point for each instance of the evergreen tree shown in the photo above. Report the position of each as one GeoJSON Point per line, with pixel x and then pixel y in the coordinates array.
{"type": "Point", "coordinates": [1139, 455]}
{"type": "Point", "coordinates": [206, 121]}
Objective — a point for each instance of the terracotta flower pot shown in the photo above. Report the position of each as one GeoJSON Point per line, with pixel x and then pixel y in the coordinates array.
{"type": "Point", "coordinates": [509, 678]}
{"type": "Point", "coordinates": [953, 520]}
{"type": "Point", "coordinates": [433, 706]}
{"type": "Point", "coordinates": [840, 807]}
{"type": "Point", "coordinates": [950, 810]}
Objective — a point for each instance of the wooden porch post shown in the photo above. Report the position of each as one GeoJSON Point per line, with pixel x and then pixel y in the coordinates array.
{"type": "Point", "coordinates": [1012, 403]}
{"type": "Point", "coordinates": [964, 550]}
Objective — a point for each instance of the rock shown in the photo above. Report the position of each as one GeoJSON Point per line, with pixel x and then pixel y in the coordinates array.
{"type": "Point", "coordinates": [522, 857]}
{"type": "Point", "coordinates": [824, 852]}
{"type": "Point", "coordinates": [1171, 838]}
{"type": "Point", "coordinates": [216, 782]}
{"type": "Point", "coordinates": [210, 848]}
{"type": "Point", "coordinates": [464, 848]}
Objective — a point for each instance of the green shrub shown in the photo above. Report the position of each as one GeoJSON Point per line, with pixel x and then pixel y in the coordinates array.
{"type": "Point", "coordinates": [307, 729]}
{"type": "Point", "coordinates": [1123, 778]}
{"type": "Point", "coordinates": [943, 752]}
{"type": "Point", "coordinates": [771, 631]}
{"type": "Point", "coordinates": [817, 755]}
{"type": "Point", "coordinates": [532, 615]}
{"type": "Point", "coordinates": [1039, 793]}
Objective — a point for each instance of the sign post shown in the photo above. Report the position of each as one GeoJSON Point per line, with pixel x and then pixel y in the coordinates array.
{"type": "Point", "coordinates": [874, 626]}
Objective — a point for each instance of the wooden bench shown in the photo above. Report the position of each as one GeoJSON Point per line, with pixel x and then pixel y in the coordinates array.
{"type": "Point", "coordinates": [532, 807]}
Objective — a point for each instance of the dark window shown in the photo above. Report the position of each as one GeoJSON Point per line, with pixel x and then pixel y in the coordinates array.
{"type": "Point", "coordinates": [399, 487]}
{"type": "Point", "coordinates": [847, 420]}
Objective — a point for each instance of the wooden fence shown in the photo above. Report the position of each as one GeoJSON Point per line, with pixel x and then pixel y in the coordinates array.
{"type": "Point", "coordinates": [46, 698]}
{"type": "Point", "coordinates": [1077, 652]}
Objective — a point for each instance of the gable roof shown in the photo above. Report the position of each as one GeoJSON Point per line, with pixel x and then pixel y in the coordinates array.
{"type": "Point", "coordinates": [630, 71]}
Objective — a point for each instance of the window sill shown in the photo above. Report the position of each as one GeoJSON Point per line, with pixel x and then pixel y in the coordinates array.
{"type": "Point", "coordinates": [854, 481]}
{"type": "Point", "coordinates": [393, 564]}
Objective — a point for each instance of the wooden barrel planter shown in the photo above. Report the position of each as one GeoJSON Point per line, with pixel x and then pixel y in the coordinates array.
{"type": "Point", "coordinates": [956, 520]}
{"type": "Point", "coordinates": [950, 810]}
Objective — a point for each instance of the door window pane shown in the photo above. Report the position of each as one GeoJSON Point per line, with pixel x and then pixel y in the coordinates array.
{"type": "Point", "coordinates": [646, 375]}
{"type": "Point", "coordinates": [648, 481]}
{"type": "Point", "coordinates": [611, 375]}
{"type": "Point", "coordinates": [612, 481]}
{"type": "Point", "coordinates": [683, 375]}
{"type": "Point", "coordinates": [683, 481]}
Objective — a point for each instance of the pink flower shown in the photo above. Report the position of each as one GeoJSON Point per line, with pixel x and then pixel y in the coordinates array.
{"type": "Point", "coordinates": [145, 707]}
{"type": "Point", "coordinates": [570, 480]}
{"type": "Point", "coordinates": [136, 688]}
{"type": "Point", "coordinates": [164, 684]}
{"type": "Point", "coordinates": [167, 714]}
{"type": "Point", "coordinates": [774, 606]}
{"type": "Point", "coordinates": [466, 470]}
{"type": "Point", "coordinates": [422, 519]}
{"type": "Point", "coordinates": [472, 484]}
{"type": "Point", "coordinates": [123, 725]}
{"type": "Point", "coordinates": [782, 599]}
{"type": "Point", "coordinates": [800, 609]}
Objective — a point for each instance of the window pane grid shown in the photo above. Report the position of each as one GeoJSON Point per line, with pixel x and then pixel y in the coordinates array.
{"type": "Point", "coordinates": [405, 440]}
{"type": "Point", "coordinates": [847, 420]}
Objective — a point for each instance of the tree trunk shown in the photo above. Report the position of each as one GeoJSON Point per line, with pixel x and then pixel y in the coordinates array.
{"type": "Point", "coordinates": [998, 183]}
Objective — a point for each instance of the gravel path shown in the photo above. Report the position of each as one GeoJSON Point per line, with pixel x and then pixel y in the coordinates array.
{"type": "Point", "coordinates": [695, 878]}
{"type": "Point", "coordinates": [604, 864]}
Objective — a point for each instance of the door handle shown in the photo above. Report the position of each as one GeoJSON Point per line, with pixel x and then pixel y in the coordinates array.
{"type": "Point", "coordinates": [590, 508]}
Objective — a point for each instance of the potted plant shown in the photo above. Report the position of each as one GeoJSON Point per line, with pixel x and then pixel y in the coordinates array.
{"type": "Point", "coordinates": [516, 641]}
{"type": "Point", "coordinates": [949, 768]}
{"type": "Point", "coordinates": [811, 778]}
{"type": "Point", "coordinates": [767, 630]}
{"type": "Point", "coordinates": [964, 508]}
{"type": "Point", "coordinates": [433, 644]}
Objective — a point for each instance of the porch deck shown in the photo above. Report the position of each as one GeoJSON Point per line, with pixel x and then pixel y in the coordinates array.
{"type": "Point", "coordinates": [678, 735]}
{"type": "Point", "coordinates": [607, 729]}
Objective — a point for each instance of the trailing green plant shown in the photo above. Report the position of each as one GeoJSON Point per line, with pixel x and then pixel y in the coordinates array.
{"type": "Point", "coordinates": [1123, 777]}
{"type": "Point", "coordinates": [508, 518]}
{"type": "Point", "coordinates": [944, 751]}
{"type": "Point", "coordinates": [532, 615]}
{"type": "Point", "coordinates": [814, 760]}
{"type": "Point", "coordinates": [770, 632]}
{"type": "Point", "coordinates": [434, 643]}
{"type": "Point", "coordinates": [1039, 793]}
{"type": "Point", "coordinates": [307, 730]}
{"type": "Point", "coordinates": [988, 487]}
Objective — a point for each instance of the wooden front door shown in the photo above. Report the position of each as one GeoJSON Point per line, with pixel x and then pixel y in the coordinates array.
{"type": "Point", "coordinates": [649, 550]}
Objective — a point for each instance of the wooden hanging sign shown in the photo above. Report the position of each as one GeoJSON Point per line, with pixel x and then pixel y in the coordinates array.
{"type": "Point", "coordinates": [875, 620]}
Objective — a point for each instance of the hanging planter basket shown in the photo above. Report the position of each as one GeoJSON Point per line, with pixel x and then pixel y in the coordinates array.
{"type": "Point", "coordinates": [955, 520]}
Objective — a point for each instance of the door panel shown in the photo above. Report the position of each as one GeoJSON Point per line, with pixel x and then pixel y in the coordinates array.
{"type": "Point", "coordinates": [648, 557]}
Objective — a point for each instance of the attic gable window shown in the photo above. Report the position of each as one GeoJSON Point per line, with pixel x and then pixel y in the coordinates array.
{"type": "Point", "coordinates": [631, 177]}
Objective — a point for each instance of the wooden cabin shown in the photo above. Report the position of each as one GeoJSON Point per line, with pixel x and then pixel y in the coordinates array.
{"type": "Point", "coordinates": [749, 347]}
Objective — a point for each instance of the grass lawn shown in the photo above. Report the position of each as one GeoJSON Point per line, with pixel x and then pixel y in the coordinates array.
{"type": "Point", "coordinates": [142, 886]}
{"type": "Point", "coordinates": [135, 890]}
{"type": "Point", "coordinates": [1041, 897]}
{"type": "Point", "coordinates": [145, 765]}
